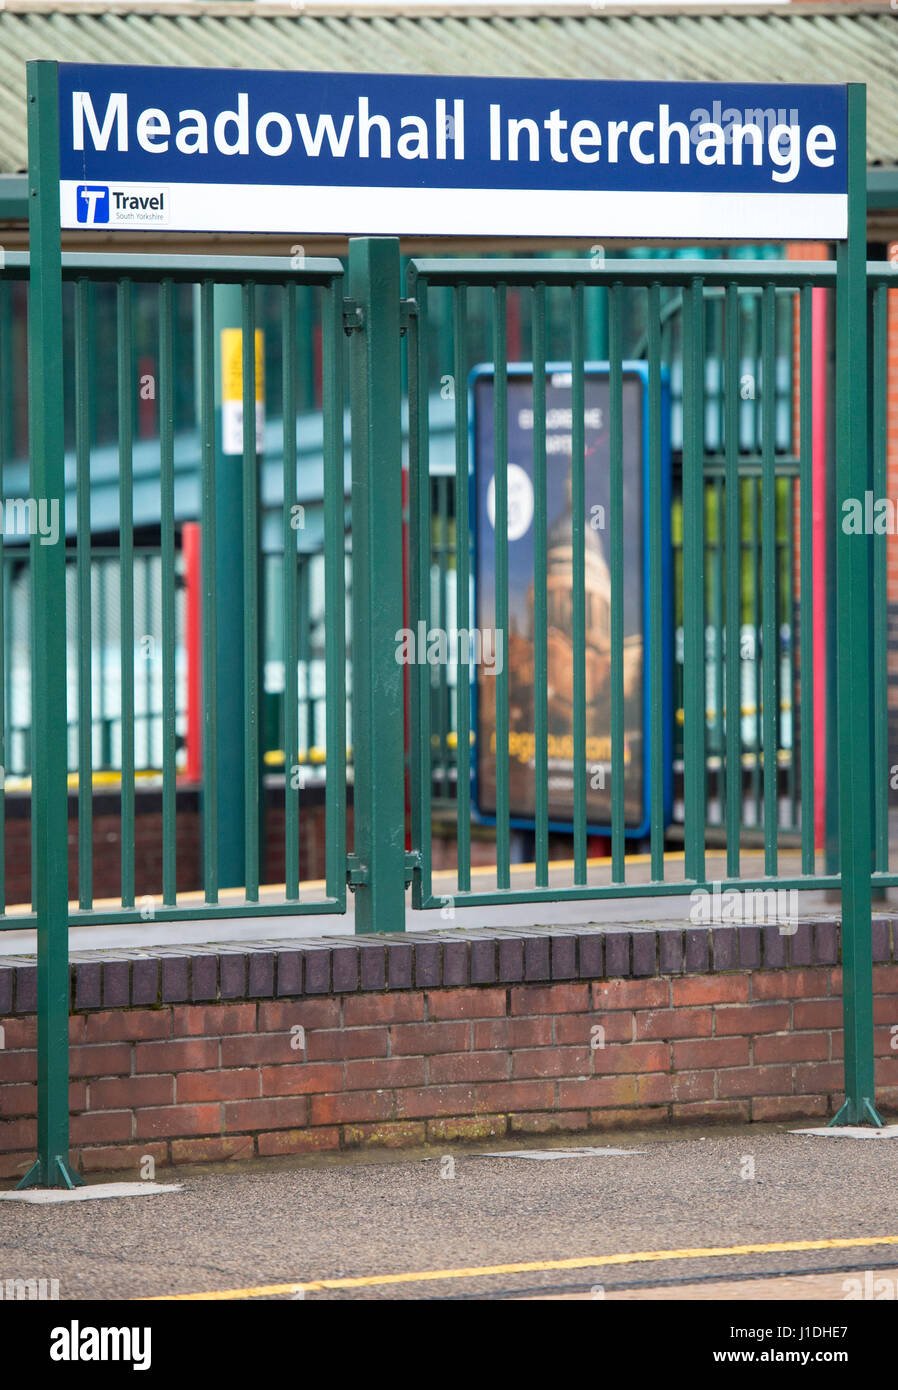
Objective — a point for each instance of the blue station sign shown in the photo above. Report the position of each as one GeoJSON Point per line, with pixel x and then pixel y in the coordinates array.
{"type": "Point", "coordinates": [183, 149]}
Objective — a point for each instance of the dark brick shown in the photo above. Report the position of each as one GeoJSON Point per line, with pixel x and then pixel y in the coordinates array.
{"type": "Point", "coordinates": [724, 945]}
{"type": "Point", "coordinates": [483, 962]}
{"type": "Point", "coordinates": [232, 970]}
{"type": "Point", "coordinates": [698, 950]}
{"type": "Point", "coordinates": [289, 973]}
{"type": "Point", "coordinates": [644, 957]}
{"type": "Point", "coordinates": [511, 959]}
{"type": "Point", "coordinates": [427, 964]}
{"type": "Point", "coordinates": [536, 958]}
{"type": "Point", "coordinates": [318, 971]}
{"type": "Point", "coordinates": [174, 979]}
{"type": "Point", "coordinates": [116, 984]}
{"type": "Point", "coordinates": [373, 972]}
{"type": "Point", "coordinates": [145, 982]}
{"type": "Point", "coordinates": [399, 964]}
{"type": "Point", "coordinates": [826, 943]}
{"type": "Point", "coordinates": [88, 984]}
{"type": "Point", "coordinates": [203, 977]}
{"type": "Point", "coordinates": [670, 952]}
{"type": "Point", "coordinates": [6, 991]}
{"type": "Point", "coordinates": [26, 989]}
{"type": "Point", "coordinates": [592, 952]}
{"type": "Point", "coordinates": [801, 944]}
{"type": "Point", "coordinates": [564, 957]}
{"type": "Point", "coordinates": [749, 947]}
{"type": "Point", "coordinates": [617, 954]}
{"type": "Point", "coordinates": [455, 964]}
{"type": "Point", "coordinates": [345, 966]}
{"type": "Point", "coordinates": [261, 974]}
{"type": "Point", "coordinates": [881, 934]}
{"type": "Point", "coordinates": [775, 947]}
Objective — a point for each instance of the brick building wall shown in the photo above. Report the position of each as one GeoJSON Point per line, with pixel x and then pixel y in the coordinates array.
{"type": "Point", "coordinates": [207, 1053]}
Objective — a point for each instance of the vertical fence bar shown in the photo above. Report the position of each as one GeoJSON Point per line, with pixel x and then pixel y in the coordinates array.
{"type": "Point", "coordinates": [83, 578]}
{"type": "Point", "coordinates": [167, 531]}
{"type": "Point", "coordinates": [378, 687]}
{"type": "Point", "coordinates": [125, 368]}
{"type": "Point", "coordinates": [717, 581]}
{"type": "Point", "coordinates": [578, 578]}
{"type": "Point", "coordinates": [693, 583]}
{"type": "Point", "coordinates": [657, 599]}
{"type": "Point", "coordinates": [334, 592]}
{"type": "Point", "coordinates": [540, 598]}
{"type": "Point", "coordinates": [500, 434]}
{"type": "Point", "coordinates": [210, 598]}
{"type": "Point", "coordinates": [290, 604]}
{"type": "Point", "coordinates": [733, 582]}
{"type": "Point", "coordinates": [879, 415]}
{"type": "Point", "coordinates": [462, 584]}
{"type": "Point", "coordinates": [853, 636]}
{"type": "Point", "coordinates": [442, 671]}
{"type": "Point", "coordinates": [6, 445]}
{"type": "Point", "coordinates": [147, 642]}
{"type": "Point", "coordinates": [251, 768]}
{"type": "Point", "coordinates": [49, 823]}
{"type": "Point", "coordinates": [806, 578]}
{"type": "Point", "coordinates": [616, 524]}
{"type": "Point", "coordinates": [769, 637]}
{"type": "Point", "coordinates": [786, 620]}
{"type": "Point", "coordinates": [421, 780]}
{"type": "Point", "coordinates": [755, 570]}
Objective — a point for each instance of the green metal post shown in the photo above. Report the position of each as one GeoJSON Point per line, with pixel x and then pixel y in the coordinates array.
{"type": "Point", "coordinates": [228, 559]}
{"type": "Point", "coordinates": [853, 637]}
{"type": "Point", "coordinates": [379, 796]}
{"type": "Point", "coordinates": [49, 804]}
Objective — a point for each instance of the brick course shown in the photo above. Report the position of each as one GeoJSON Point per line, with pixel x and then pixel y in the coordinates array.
{"type": "Point", "coordinates": [265, 1075]}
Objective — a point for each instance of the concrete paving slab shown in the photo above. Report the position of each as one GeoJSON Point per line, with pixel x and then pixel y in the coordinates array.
{"type": "Point", "coordinates": [851, 1132]}
{"type": "Point", "coordinates": [52, 1196]}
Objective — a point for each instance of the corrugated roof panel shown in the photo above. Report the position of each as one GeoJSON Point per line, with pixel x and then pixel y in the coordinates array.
{"type": "Point", "coordinates": [851, 44]}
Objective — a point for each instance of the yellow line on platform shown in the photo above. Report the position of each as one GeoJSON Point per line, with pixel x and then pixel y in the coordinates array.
{"type": "Point", "coordinates": [525, 1267]}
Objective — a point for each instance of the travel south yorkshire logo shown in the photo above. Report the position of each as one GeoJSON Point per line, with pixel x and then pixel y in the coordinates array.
{"type": "Point", "coordinates": [98, 205]}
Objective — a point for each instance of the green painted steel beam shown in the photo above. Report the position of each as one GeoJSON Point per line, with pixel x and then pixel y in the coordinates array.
{"type": "Point", "coordinates": [49, 822]}
{"type": "Point", "coordinates": [378, 714]}
{"type": "Point", "coordinates": [853, 609]}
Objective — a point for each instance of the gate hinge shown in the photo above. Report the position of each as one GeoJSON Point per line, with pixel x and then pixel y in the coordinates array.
{"type": "Point", "coordinates": [412, 862]}
{"type": "Point", "coordinates": [356, 872]}
{"type": "Point", "coordinates": [353, 316]}
{"type": "Point", "coordinates": [408, 308]}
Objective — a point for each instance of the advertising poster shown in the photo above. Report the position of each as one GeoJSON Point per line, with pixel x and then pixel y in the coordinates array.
{"type": "Point", "coordinates": [519, 651]}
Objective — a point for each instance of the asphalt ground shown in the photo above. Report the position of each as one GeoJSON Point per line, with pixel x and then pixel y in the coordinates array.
{"type": "Point", "coordinates": [371, 1225]}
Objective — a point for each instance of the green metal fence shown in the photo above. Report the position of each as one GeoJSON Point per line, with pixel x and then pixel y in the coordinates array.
{"type": "Point", "coordinates": [373, 313]}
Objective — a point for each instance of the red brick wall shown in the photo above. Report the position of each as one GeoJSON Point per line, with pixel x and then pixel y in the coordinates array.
{"type": "Point", "coordinates": [187, 1082]}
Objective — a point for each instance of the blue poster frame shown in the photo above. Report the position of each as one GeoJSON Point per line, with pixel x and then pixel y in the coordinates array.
{"type": "Point", "coordinates": [632, 369]}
